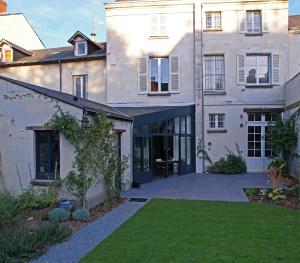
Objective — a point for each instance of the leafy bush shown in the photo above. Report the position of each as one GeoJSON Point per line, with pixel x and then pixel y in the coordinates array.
{"type": "Point", "coordinates": [295, 190]}
{"type": "Point", "coordinates": [28, 243]}
{"type": "Point", "coordinates": [81, 215]}
{"type": "Point", "coordinates": [277, 194]}
{"type": "Point", "coordinates": [230, 164]}
{"type": "Point", "coordinates": [250, 192]}
{"type": "Point", "coordinates": [31, 200]}
{"type": "Point", "coordinates": [8, 208]}
{"type": "Point", "coordinates": [58, 215]}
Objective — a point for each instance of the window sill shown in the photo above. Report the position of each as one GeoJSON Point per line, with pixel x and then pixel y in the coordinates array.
{"type": "Point", "coordinates": [253, 34]}
{"type": "Point", "coordinates": [214, 92]}
{"type": "Point", "coordinates": [216, 131]}
{"type": "Point", "coordinates": [213, 30]}
{"type": "Point", "coordinates": [158, 94]}
{"type": "Point", "coordinates": [259, 86]}
{"type": "Point", "coordinates": [159, 37]}
{"type": "Point", "coordinates": [40, 182]}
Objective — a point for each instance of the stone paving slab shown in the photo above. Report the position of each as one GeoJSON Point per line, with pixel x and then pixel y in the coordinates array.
{"type": "Point", "coordinates": [88, 237]}
{"type": "Point", "coordinates": [216, 187]}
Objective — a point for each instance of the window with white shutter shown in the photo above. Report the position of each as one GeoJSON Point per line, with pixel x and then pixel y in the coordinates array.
{"type": "Point", "coordinates": [242, 21]}
{"type": "Point", "coordinates": [275, 69]}
{"type": "Point", "coordinates": [241, 71]}
{"type": "Point", "coordinates": [158, 25]}
{"type": "Point", "coordinates": [159, 75]}
{"type": "Point", "coordinates": [265, 21]}
{"type": "Point", "coordinates": [258, 69]}
{"type": "Point", "coordinates": [253, 22]}
{"type": "Point", "coordinates": [175, 74]}
{"type": "Point", "coordinates": [143, 75]}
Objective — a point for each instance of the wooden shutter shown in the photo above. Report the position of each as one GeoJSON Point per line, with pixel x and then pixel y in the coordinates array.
{"type": "Point", "coordinates": [265, 21]}
{"type": "Point", "coordinates": [242, 21]}
{"type": "Point", "coordinates": [174, 74]}
{"type": "Point", "coordinates": [143, 75]}
{"type": "Point", "coordinates": [154, 25]}
{"type": "Point", "coordinates": [241, 69]}
{"type": "Point", "coordinates": [163, 25]}
{"type": "Point", "coordinates": [275, 69]}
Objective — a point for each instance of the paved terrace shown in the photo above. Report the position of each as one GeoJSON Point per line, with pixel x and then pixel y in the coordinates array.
{"type": "Point", "coordinates": [217, 187]}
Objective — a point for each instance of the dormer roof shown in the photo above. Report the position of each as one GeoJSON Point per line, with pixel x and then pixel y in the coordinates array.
{"type": "Point", "coordinates": [16, 47]}
{"type": "Point", "coordinates": [79, 34]}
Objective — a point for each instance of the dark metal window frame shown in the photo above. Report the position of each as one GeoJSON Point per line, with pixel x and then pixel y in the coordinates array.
{"type": "Point", "coordinates": [51, 175]}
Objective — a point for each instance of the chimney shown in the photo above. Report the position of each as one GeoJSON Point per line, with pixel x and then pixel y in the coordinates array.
{"type": "Point", "coordinates": [3, 7]}
{"type": "Point", "coordinates": [93, 38]}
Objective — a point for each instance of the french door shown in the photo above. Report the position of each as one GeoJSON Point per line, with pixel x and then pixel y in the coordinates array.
{"type": "Point", "coordinates": [258, 150]}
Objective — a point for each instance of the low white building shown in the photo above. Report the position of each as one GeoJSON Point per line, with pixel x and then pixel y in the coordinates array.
{"type": "Point", "coordinates": [31, 154]}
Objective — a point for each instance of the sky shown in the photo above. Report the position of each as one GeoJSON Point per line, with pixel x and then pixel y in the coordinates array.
{"type": "Point", "coordinates": [55, 21]}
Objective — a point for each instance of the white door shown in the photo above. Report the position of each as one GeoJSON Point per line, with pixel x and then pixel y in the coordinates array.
{"type": "Point", "coordinates": [258, 151]}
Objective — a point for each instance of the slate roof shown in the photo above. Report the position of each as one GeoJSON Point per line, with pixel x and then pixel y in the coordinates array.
{"type": "Point", "coordinates": [87, 105]}
{"type": "Point", "coordinates": [20, 49]}
{"type": "Point", "coordinates": [137, 111]}
{"type": "Point", "coordinates": [54, 55]}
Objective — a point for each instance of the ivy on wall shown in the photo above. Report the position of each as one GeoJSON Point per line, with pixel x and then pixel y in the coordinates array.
{"type": "Point", "coordinates": [96, 159]}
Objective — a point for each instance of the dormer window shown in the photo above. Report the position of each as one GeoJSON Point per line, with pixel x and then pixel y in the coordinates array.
{"type": "Point", "coordinates": [7, 55]}
{"type": "Point", "coordinates": [81, 48]}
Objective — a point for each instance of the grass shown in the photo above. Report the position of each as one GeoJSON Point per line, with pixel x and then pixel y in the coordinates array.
{"type": "Point", "coordinates": [203, 231]}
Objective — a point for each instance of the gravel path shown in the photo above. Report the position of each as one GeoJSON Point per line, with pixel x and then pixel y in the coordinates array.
{"type": "Point", "coordinates": [84, 240]}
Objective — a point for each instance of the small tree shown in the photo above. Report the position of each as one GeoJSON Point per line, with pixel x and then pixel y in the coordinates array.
{"type": "Point", "coordinates": [96, 158]}
{"type": "Point", "coordinates": [282, 137]}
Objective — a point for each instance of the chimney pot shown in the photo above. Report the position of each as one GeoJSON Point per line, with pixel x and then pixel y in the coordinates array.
{"type": "Point", "coordinates": [93, 37]}
{"type": "Point", "coordinates": [3, 7]}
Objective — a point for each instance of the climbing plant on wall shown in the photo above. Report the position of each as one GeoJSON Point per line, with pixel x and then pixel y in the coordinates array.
{"type": "Point", "coordinates": [96, 159]}
{"type": "Point", "coordinates": [282, 137]}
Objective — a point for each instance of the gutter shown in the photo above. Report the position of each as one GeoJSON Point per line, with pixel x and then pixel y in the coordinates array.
{"type": "Point", "coordinates": [60, 75]}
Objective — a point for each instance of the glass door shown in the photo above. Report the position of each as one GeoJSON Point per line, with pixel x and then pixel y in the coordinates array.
{"type": "Point", "coordinates": [142, 165]}
{"type": "Point", "coordinates": [258, 151]}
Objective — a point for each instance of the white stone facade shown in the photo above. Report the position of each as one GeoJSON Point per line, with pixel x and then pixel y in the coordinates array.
{"type": "Point", "coordinates": [20, 109]}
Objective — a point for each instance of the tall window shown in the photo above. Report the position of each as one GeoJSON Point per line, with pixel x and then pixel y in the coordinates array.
{"type": "Point", "coordinates": [159, 74]}
{"type": "Point", "coordinates": [258, 69]}
{"type": "Point", "coordinates": [213, 20]}
{"type": "Point", "coordinates": [216, 121]}
{"type": "Point", "coordinates": [80, 86]}
{"type": "Point", "coordinates": [47, 155]}
{"type": "Point", "coordinates": [254, 22]}
{"type": "Point", "coordinates": [159, 25]}
{"type": "Point", "coordinates": [214, 73]}
{"type": "Point", "coordinates": [81, 48]}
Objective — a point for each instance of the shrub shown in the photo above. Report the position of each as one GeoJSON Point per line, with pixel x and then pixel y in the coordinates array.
{"type": "Point", "coordinates": [31, 200]}
{"type": "Point", "coordinates": [250, 192]}
{"type": "Point", "coordinates": [81, 215]}
{"type": "Point", "coordinates": [8, 208]}
{"type": "Point", "coordinates": [277, 194]}
{"type": "Point", "coordinates": [230, 164]}
{"type": "Point", "coordinates": [58, 215]}
{"type": "Point", "coordinates": [295, 190]}
{"type": "Point", "coordinates": [28, 243]}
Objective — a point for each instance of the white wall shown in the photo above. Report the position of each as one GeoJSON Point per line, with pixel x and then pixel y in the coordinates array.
{"type": "Point", "coordinates": [16, 29]}
{"type": "Point", "coordinates": [48, 76]}
{"type": "Point", "coordinates": [17, 144]}
{"type": "Point", "coordinates": [128, 38]}
{"type": "Point", "coordinates": [231, 42]}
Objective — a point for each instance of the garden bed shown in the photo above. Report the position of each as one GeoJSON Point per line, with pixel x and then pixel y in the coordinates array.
{"type": "Point", "coordinates": [26, 233]}
{"type": "Point", "coordinates": [286, 197]}
{"type": "Point", "coordinates": [95, 213]}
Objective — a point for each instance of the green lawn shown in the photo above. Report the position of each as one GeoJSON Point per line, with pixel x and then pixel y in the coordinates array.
{"type": "Point", "coordinates": [203, 231]}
